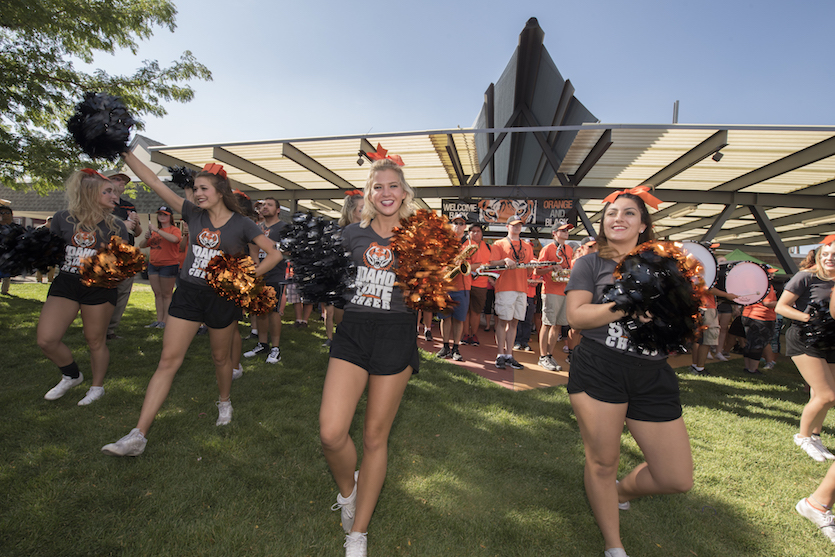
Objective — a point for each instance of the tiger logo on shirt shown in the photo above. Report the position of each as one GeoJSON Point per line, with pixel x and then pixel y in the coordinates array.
{"type": "Point", "coordinates": [209, 238]}
{"type": "Point", "coordinates": [83, 244]}
{"type": "Point", "coordinates": [378, 257]}
{"type": "Point", "coordinates": [84, 239]}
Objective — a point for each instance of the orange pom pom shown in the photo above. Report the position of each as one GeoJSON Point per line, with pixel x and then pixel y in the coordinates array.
{"type": "Point", "coordinates": [112, 264]}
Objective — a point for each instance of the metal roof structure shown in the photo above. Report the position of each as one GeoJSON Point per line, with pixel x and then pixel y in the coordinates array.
{"type": "Point", "coordinates": [758, 188]}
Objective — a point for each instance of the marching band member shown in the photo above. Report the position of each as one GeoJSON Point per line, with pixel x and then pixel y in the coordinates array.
{"type": "Point", "coordinates": [480, 283]}
{"type": "Point", "coordinates": [553, 295]}
{"type": "Point", "coordinates": [452, 323]}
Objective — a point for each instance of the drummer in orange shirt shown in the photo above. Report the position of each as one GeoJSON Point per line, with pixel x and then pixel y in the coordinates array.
{"type": "Point", "coordinates": [758, 320]}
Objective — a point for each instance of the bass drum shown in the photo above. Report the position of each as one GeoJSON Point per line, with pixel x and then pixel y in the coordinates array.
{"type": "Point", "coordinates": [705, 257]}
{"type": "Point", "coordinates": [748, 280]}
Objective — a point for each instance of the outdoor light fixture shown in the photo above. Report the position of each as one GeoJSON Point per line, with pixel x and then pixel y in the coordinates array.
{"type": "Point", "coordinates": [361, 160]}
{"type": "Point", "coordinates": [717, 156]}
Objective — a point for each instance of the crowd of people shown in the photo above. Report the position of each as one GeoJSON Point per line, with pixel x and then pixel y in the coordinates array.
{"type": "Point", "coordinates": [612, 383]}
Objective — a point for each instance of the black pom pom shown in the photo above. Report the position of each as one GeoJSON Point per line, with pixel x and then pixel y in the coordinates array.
{"type": "Point", "coordinates": [182, 176]}
{"type": "Point", "coordinates": [656, 285]}
{"type": "Point", "coordinates": [819, 331]}
{"type": "Point", "coordinates": [322, 269]}
{"type": "Point", "coordinates": [101, 126]}
{"type": "Point", "coordinates": [23, 250]}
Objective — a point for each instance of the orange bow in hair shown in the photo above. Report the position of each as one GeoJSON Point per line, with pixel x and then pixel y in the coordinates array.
{"type": "Point", "coordinates": [828, 240]}
{"type": "Point", "coordinates": [92, 172]}
{"type": "Point", "coordinates": [353, 192]}
{"type": "Point", "coordinates": [640, 191]}
{"type": "Point", "coordinates": [216, 169]}
{"type": "Point", "coordinates": [380, 154]}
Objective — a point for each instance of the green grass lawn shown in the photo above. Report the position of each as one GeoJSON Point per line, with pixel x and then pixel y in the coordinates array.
{"type": "Point", "coordinates": [474, 470]}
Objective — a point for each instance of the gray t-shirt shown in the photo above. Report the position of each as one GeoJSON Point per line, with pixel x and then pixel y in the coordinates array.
{"type": "Point", "coordinates": [82, 243]}
{"type": "Point", "coordinates": [808, 288]}
{"type": "Point", "coordinates": [376, 262]}
{"type": "Point", "coordinates": [206, 241]}
{"type": "Point", "coordinates": [592, 273]}
{"type": "Point", "coordinates": [276, 274]}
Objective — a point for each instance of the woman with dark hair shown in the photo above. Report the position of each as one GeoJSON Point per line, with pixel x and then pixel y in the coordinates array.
{"type": "Point", "coordinates": [815, 366]}
{"type": "Point", "coordinates": [163, 240]}
{"type": "Point", "coordinates": [374, 347]}
{"type": "Point", "coordinates": [87, 225]}
{"type": "Point", "coordinates": [612, 382]}
{"type": "Point", "coordinates": [216, 227]}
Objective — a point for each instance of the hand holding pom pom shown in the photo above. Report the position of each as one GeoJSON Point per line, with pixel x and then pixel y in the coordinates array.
{"type": "Point", "coordinates": [659, 288]}
{"type": "Point", "coordinates": [101, 126]}
{"type": "Point", "coordinates": [819, 331]}
{"type": "Point", "coordinates": [182, 176]}
{"type": "Point", "coordinates": [425, 245]}
{"type": "Point", "coordinates": [232, 277]}
{"type": "Point", "coordinates": [112, 264]}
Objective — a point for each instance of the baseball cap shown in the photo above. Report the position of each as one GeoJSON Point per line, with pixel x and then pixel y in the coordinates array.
{"type": "Point", "coordinates": [513, 220]}
{"type": "Point", "coordinates": [565, 226]}
{"type": "Point", "coordinates": [588, 240]}
{"type": "Point", "coordinates": [165, 210]}
{"type": "Point", "coordinates": [116, 174]}
{"type": "Point", "coordinates": [458, 216]}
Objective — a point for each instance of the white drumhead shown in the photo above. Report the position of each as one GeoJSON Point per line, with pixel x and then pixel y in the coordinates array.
{"type": "Point", "coordinates": [706, 258]}
{"type": "Point", "coordinates": [748, 280]}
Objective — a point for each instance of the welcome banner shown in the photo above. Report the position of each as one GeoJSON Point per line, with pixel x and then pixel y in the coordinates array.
{"type": "Point", "coordinates": [532, 212]}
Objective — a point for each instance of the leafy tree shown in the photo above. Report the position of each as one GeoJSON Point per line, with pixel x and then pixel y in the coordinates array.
{"type": "Point", "coordinates": [39, 85]}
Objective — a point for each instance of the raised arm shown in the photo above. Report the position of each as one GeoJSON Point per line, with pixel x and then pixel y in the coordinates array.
{"type": "Point", "coordinates": [152, 181]}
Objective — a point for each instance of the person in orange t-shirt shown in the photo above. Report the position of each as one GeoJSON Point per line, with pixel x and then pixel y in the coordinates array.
{"type": "Point", "coordinates": [452, 322]}
{"type": "Point", "coordinates": [480, 283]}
{"type": "Point", "coordinates": [164, 243]}
{"type": "Point", "coordinates": [511, 290]}
{"type": "Point", "coordinates": [553, 295]}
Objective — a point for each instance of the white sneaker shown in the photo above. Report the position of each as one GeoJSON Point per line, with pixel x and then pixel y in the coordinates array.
{"type": "Point", "coordinates": [356, 544]}
{"type": "Point", "coordinates": [547, 363]}
{"type": "Point", "coordinates": [275, 355]}
{"type": "Point", "coordinates": [237, 372]}
{"type": "Point", "coordinates": [93, 394]}
{"type": "Point", "coordinates": [770, 365]}
{"type": "Point", "coordinates": [348, 506]}
{"type": "Point", "coordinates": [822, 520]}
{"type": "Point", "coordinates": [224, 412]}
{"type": "Point", "coordinates": [809, 446]}
{"type": "Point", "coordinates": [816, 439]}
{"type": "Point", "coordinates": [615, 552]}
{"type": "Point", "coordinates": [721, 357]}
{"type": "Point", "coordinates": [709, 355]}
{"type": "Point", "coordinates": [132, 444]}
{"type": "Point", "coordinates": [65, 384]}
{"type": "Point", "coordinates": [566, 349]}
{"type": "Point", "coordinates": [623, 506]}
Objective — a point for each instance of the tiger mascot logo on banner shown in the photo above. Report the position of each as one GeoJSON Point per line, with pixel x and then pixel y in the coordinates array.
{"type": "Point", "coordinates": [499, 210]}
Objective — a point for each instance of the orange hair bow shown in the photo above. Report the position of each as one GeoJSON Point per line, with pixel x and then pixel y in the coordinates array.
{"type": "Point", "coordinates": [828, 240]}
{"type": "Point", "coordinates": [216, 169]}
{"type": "Point", "coordinates": [353, 192]}
{"type": "Point", "coordinates": [380, 154]}
{"type": "Point", "coordinates": [640, 191]}
{"type": "Point", "coordinates": [92, 172]}
{"type": "Point", "coordinates": [239, 192]}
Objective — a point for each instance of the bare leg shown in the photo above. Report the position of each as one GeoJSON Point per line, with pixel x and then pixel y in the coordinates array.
{"type": "Point", "coordinates": [220, 341]}
{"type": "Point", "coordinates": [669, 462]}
{"type": "Point", "coordinates": [95, 320]}
{"type": "Point", "coordinates": [384, 395]}
{"type": "Point", "coordinates": [175, 342]}
{"type": "Point", "coordinates": [57, 314]}
{"type": "Point", "coordinates": [818, 374]}
{"type": "Point", "coordinates": [601, 425]}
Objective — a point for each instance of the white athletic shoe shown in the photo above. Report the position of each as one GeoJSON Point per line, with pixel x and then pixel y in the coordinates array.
{"type": "Point", "coordinates": [356, 544]}
{"type": "Point", "coordinates": [65, 384]}
{"type": "Point", "coordinates": [237, 372]}
{"type": "Point", "coordinates": [224, 412]}
{"type": "Point", "coordinates": [623, 506]}
{"type": "Point", "coordinates": [132, 444]}
{"type": "Point", "coordinates": [809, 446]}
{"type": "Point", "coordinates": [275, 355]}
{"type": "Point", "coordinates": [93, 394]}
{"type": "Point", "coordinates": [348, 506]}
{"type": "Point", "coordinates": [822, 520]}
{"type": "Point", "coordinates": [816, 439]}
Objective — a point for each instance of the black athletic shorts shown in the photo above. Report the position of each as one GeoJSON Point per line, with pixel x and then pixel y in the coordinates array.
{"type": "Point", "coordinates": [796, 347]}
{"type": "Point", "coordinates": [381, 344]}
{"type": "Point", "coordinates": [649, 387]}
{"type": "Point", "coordinates": [70, 287]}
{"type": "Point", "coordinates": [201, 304]}
{"type": "Point", "coordinates": [758, 334]}
{"type": "Point", "coordinates": [279, 290]}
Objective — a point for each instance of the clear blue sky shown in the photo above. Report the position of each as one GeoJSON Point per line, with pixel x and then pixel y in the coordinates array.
{"type": "Point", "coordinates": [317, 68]}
